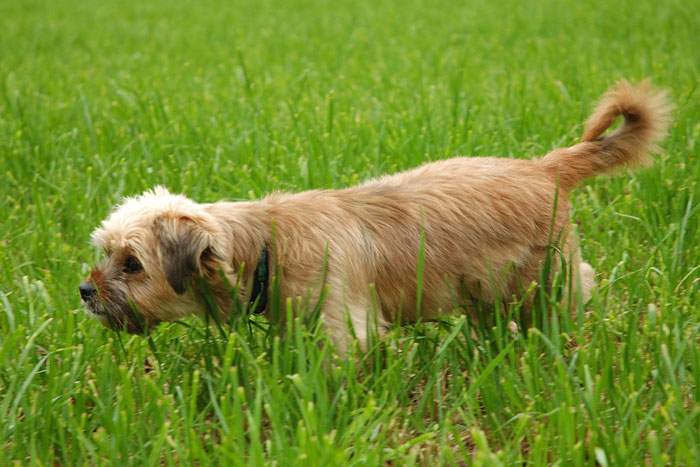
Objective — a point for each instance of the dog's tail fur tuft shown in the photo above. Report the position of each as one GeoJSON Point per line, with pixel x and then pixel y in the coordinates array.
{"type": "Point", "coordinates": [647, 114]}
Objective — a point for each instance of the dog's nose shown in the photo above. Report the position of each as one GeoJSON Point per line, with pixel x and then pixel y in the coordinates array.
{"type": "Point", "coordinates": [87, 290]}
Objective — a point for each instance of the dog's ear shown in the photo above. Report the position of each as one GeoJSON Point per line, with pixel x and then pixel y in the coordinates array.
{"type": "Point", "coordinates": [184, 245]}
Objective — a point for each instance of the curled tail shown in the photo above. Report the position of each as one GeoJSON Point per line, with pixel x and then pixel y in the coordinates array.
{"type": "Point", "coordinates": [647, 115]}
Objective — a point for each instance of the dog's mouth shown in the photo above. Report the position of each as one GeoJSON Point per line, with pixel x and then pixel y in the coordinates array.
{"type": "Point", "coordinates": [122, 318]}
{"type": "Point", "coordinates": [94, 309]}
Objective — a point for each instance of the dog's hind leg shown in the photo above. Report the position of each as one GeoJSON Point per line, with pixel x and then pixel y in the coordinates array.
{"type": "Point", "coordinates": [583, 274]}
{"type": "Point", "coordinates": [586, 279]}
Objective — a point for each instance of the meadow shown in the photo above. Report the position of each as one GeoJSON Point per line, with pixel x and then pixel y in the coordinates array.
{"type": "Point", "coordinates": [215, 99]}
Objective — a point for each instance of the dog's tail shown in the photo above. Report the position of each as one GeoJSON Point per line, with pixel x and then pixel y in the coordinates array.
{"type": "Point", "coordinates": [647, 115]}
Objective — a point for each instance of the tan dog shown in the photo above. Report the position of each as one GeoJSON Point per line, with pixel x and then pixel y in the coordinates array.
{"type": "Point", "coordinates": [486, 224]}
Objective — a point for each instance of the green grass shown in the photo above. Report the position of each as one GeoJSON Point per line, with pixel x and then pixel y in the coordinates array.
{"type": "Point", "coordinates": [236, 99]}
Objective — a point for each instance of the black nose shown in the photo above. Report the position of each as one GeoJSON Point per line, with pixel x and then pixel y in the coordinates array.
{"type": "Point", "coordinates": [87, 290]}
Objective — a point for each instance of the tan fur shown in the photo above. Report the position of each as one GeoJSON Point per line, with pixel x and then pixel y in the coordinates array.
{"type": "Point", "coordinates": [646, 113]}
{"type": "Point", "coordinates": [486, 223]}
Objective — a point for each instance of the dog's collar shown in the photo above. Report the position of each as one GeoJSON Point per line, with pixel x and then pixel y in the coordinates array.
{"type": "Point", "coordinates": [261, 280]}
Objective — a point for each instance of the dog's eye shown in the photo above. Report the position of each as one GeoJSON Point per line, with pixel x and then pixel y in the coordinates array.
{"type": "Point", "coordinates": [132, 265]}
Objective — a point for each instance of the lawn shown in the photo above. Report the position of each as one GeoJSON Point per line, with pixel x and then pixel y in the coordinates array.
{"type": "Point", "coordinates": [215, 99]}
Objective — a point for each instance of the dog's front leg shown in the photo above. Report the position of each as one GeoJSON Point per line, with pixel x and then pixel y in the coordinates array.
{"type": "Point", "coordinates": [348, 315]}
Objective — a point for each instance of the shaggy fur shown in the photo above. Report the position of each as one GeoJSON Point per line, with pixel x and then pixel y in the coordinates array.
{"type": "Point", "coordinates": [487, 223]}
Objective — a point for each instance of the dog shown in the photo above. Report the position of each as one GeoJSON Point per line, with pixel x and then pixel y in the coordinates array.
{"type": "Point", "coordinates": [477, 228]}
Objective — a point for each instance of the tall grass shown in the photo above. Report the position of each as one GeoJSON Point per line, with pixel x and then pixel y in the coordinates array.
{"type": "Point", "coordinates": [236, 99]}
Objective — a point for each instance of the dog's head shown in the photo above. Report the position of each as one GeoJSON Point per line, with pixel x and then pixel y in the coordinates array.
{"type": "Point", "coordinates": [156, 245]}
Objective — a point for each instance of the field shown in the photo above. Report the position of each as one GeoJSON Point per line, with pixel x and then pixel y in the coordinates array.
{"type": "Point", "coordinates": [215, 99]}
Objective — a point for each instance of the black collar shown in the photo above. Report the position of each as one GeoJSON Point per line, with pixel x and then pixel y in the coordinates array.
{"type": "Point", "coordinates": [261, 281]}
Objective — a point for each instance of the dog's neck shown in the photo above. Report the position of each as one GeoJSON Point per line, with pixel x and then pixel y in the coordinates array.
{"type": "Point", "coordinates": [248, 247]}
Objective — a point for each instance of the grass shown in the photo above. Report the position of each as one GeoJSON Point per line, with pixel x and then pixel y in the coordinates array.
{"type": "Point", "coordinates": [236, 99]}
